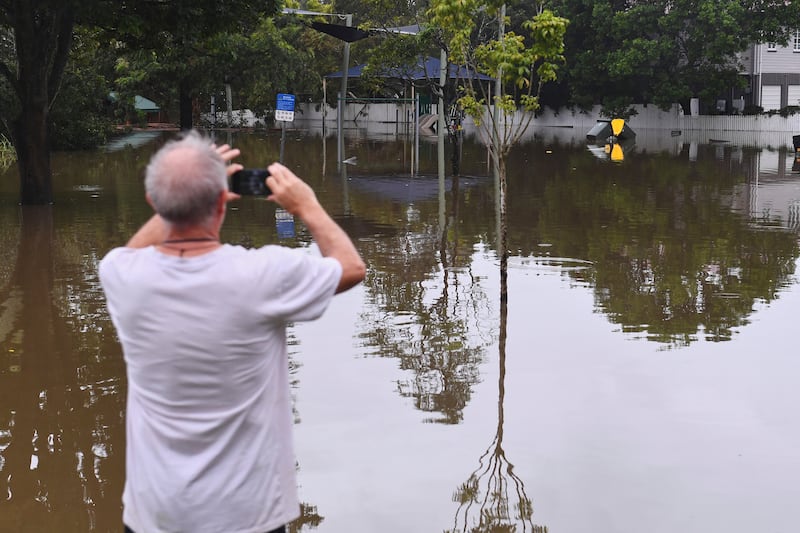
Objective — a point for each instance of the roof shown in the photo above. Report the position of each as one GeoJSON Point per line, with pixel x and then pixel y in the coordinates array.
{"type": "Point", "coordinates": [139, 102]}
{"type": "Point", "coordinates": [429, 68]}
{"type": "Point", "coordinates": [143, 104]}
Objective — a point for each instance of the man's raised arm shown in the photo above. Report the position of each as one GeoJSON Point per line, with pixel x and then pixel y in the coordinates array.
{"type": "Point", "coordinates": [297, 197]}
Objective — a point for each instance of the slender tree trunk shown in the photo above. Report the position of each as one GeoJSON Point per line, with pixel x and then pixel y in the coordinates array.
{"type": "Point", "coordinates": [503, 224]}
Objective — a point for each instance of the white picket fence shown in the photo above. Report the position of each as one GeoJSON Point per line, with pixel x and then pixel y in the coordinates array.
{"type": "Point", "coordinates": [648, 117]}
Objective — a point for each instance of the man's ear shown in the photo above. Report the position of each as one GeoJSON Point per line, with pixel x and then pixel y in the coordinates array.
{"type": "Point", "coordinates": [149, 200]}
{"type": "Point", "coordinates": [222, 200]}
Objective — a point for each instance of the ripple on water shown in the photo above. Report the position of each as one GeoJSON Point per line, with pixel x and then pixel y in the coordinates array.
{"type": "Point", "coordinates": [548, 263]}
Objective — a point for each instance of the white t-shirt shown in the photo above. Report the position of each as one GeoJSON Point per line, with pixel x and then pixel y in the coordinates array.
{"type": "Point", "coordinates": [209, 424]}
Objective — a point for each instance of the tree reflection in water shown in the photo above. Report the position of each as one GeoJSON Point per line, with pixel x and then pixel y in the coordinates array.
{"type": "Point", "coordinates": [676, 260]}
{"type": "Point", "coordinates": [434, 337]}
{"type": "Point", "coordinates": [308, 517]}
{"type": "Point", "coordinates": [484, 502]}
{"type": "Point", "coordinates": [58, 417]}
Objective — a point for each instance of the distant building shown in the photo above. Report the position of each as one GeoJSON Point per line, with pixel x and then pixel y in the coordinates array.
{"type": "Point", "coordinates": [773, 72]}
{"type": "Point", "coordinates": [151, 110]}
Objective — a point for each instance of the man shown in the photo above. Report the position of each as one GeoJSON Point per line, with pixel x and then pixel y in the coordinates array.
{"type": "Point", "coordinates": [203, 331]}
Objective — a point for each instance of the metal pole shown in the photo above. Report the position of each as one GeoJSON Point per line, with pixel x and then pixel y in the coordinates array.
{"type": "Point", "coordinates": [441, 126]}
{"type": "Point", "coordinates": [413, 125]}
{"type": "Point", "coordinates": [343, 95]}
{"type": "Point", "coordinates": [416, 134]}
{"type": "Point", "coordinates": [346, 58]}
{"type": "Point", "coordinates": [339, 142]}
{"type": "Point", "coordinates": [213, 112]}
{"type": "Point", "coordinates": [229, 101]}
{"type": "Point", "coordinates": [440, 139]}
{"type": "Point", "coordinates": [283, 139]}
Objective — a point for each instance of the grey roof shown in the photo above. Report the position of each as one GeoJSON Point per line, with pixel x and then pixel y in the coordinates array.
{"type": "Point", "coordinates": [429, 68]}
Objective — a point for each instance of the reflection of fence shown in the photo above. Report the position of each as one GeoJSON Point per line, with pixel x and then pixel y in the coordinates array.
{"type": "Point", "coordinates": [793, 220]}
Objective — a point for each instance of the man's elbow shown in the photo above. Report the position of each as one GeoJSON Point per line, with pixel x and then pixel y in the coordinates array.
{"type": "Point", "coordinates": [353, 273]}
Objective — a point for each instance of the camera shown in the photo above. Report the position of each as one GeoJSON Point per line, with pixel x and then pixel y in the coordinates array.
{"type": "Point", "coordinates": [250, 182]}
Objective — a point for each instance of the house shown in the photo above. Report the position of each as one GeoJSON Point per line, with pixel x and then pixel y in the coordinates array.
{"type": "Point", "coordinates": [151, 110]}
{"type": "Point", "coordinates": [773, 73]}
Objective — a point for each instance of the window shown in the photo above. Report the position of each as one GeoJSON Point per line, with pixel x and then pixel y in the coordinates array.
{"type": "Point", "coordinates": [772, 47]}
{"type": "Point", "coordinates": [796, 41]}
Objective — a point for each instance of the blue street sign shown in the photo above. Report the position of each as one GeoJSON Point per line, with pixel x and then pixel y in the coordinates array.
{"type": "Point", "coordinates": [285, 102]}
{"type": "Point", "coordinates": [284, 107]}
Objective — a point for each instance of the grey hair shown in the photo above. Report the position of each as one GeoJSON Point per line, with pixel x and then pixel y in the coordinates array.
{"type": "Point", "coordinates": [184, 180]}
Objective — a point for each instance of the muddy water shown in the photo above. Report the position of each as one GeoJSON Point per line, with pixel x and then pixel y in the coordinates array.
{"type": "Point", "coordinates": [639, 376]}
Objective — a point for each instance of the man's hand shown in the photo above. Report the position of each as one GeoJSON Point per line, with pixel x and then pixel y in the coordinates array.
{"type": "Point", "coordinates": [228, 154]}
{"type": "Point", "coordinates": [289, 191]}
{"type": "Point", "coordinates": [295, 195]}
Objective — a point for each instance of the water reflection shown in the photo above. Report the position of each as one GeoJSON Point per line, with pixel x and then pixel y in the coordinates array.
{"type": "Point", "coordinates": [484, 500]}
{"type": "Point", "coordinates": [433, 328]}
{"type": "Point", "coordinates": [60, 420]}
{"type": "Point", "coordinates": [673, 259]}
{"type": "Point", "coordinates": [493, 498]}
{"type": "Point", "coordinates": [679, 243]}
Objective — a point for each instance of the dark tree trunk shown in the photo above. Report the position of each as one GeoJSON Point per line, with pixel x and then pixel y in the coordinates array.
{"type": "Point", "coordinates": [185, 90]}
{"type": "Point", "coordinates": [42, 38]}
{"type": "Point", "coordinates": [32, 142]}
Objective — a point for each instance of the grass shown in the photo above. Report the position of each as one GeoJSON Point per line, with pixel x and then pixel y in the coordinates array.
{"type": "Point", "coordinates": [7, 153]}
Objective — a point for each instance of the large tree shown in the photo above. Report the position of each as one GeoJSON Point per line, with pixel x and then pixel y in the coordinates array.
{"type": "Point", "coordinates": [621, 52]}
{"type": "Point", "coordinates": [178, 40]}
{"type": "Point", "coordinates": [520, 62]}
{"type": "Point", "coordinates": [41, 34]}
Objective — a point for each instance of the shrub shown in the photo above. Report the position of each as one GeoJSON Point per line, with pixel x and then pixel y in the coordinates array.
{"type": "Point", "coordinates": [752, 110]}
{"type": "Point", "coordinates": [789, 110]}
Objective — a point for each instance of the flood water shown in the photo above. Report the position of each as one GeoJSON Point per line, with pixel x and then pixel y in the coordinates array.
{"type": "Point", "coordinates": [641, 375]}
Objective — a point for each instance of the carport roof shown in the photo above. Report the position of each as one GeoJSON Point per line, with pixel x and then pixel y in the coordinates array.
{"type": "Point", "coordinates": [429, 68]}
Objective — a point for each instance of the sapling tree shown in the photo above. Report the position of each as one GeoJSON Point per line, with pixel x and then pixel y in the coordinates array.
{"type": "Point", "coordinates": [522, 62]}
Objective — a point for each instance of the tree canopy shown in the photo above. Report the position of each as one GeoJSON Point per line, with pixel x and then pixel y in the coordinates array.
{"type": "Point", "coordinates": [620, 52]}
{"type": "Point", "coordinates": [59, 60]}
{"type": "Point", "coordinates": [42, 32]}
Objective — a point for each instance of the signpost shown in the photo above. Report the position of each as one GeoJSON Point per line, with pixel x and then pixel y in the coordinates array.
{"type": "Point", "coordinates": [284, 112]}
{"type": "Point", "coordinates": [284, 108]}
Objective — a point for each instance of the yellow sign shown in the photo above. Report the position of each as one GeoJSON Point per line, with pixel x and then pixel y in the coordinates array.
{"type": "Point", "coordinates": [616, 126]}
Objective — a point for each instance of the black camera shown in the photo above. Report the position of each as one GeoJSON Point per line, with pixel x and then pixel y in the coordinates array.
{"type": "Point", "coordinates": [250, 182]}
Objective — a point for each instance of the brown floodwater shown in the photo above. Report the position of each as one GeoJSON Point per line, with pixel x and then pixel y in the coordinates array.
{"type": "Point", "coordinates": [640, 375]}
